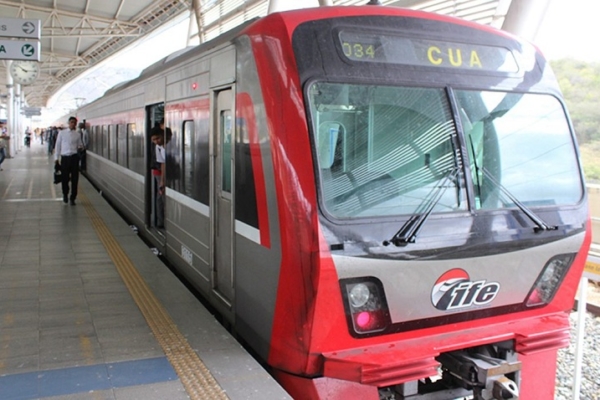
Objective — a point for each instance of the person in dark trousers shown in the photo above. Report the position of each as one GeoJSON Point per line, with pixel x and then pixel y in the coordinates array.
{"type": "Point", "coordinates": [159, 173]}
{"type": "Point", "coordinates": [68, 145]}
{"type": "Point", "coordinates": [82, 153]}
{"type": "Point", "coordinates": [51, 139]}
{"type": "Point", "coordinates": [3, 145]}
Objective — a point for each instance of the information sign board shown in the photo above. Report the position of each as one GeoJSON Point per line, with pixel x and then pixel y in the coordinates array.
{"type": "Point", "coordinates": [20, 50]}
{"type": "Point", "coordinates": [20, 28]}
{"type": "Point", "coordinates": [31, 111]}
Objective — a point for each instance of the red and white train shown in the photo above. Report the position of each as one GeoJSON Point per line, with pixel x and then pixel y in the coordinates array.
{"type": "Point", "coordinates": [382, 203]}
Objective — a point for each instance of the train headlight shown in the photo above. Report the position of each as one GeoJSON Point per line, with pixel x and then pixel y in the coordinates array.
{"type": "Point", "coordinates": [365, 305]}
{"type": "Point", "coordinates": [359, 295]}
{"type": "Point", "coordinates": [550, 279]}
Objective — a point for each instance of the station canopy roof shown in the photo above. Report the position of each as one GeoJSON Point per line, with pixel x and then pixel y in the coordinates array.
{"type": "Point", "coordinates": [78, 35]}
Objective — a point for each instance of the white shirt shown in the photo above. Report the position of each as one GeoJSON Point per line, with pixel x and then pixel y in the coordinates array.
{"type": "Point", "coordinates": [67, 143]}
{"type": "Point", "coordinates": [160, 154]}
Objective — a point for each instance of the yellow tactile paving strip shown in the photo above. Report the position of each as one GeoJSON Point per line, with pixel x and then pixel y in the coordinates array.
{"type": "Point", "coordinates": [196, 378]}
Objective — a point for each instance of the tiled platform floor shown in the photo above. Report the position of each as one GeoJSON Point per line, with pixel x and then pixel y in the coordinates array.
{"type": "Point", "coordinates": [69, 327]}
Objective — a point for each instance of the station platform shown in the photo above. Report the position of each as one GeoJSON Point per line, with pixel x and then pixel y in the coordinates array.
{"type": "Point", "coordinates": [87, 311]}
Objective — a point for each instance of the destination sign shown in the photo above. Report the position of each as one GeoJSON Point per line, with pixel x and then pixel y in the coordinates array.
{"type": "Point", "coordinates": [392, 49]}
{"type": "Point", "coordinates": [20, 50]}
{"type": "Point", "coordinates": [20, 28]}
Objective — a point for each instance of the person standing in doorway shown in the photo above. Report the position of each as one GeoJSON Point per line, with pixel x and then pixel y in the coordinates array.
{"type": "Point", "coordinates": [68, 145]}
{"type": "Point", "coordinates": [159, 174]}
{"type": "Point", "coordinates": [84, 139]}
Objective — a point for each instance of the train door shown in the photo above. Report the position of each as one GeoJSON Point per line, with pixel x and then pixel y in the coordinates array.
{"type": "Point", "coordinates": [222, 211]}
{"type": "Point", "coordinates": [155, 204]}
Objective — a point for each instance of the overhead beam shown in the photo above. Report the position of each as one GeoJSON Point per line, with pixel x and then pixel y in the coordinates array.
{"type": "Point", "coordinates": [59, 12]}
{"type": "Point", "coordinates": [199, 11]}
{"type": "Point", "coordinates": [90, 35]}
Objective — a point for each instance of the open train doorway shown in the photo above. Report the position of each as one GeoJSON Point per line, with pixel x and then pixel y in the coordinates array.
{"type": "Point", "coordinates": [155, 176]}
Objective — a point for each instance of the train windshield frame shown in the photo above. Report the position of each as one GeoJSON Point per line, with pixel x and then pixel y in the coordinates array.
{"type": "Point", "coordinates": [384, 150]}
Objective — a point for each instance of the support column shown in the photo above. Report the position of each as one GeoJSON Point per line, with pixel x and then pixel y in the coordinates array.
{"type": "Point", "coordinates": [525, 17]}
{"type": "Point", "coordinates": [197, 16]}
{"type": "Point", "coordinates": [284, 5]}
{"type": "Point", "coordinates": [17, 121]}
{"type": "Point", "coordinates": [10, 117]}
{"type": "Point", "coordinates": [274, 6]}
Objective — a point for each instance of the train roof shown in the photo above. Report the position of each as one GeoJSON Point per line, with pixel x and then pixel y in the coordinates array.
{"type": "Point", "coordinates": [291, 19]}
{"type": "Point", "coordinates": [182, 55]}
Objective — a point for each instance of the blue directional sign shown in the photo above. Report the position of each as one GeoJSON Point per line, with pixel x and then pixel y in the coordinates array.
{"type": "Point", "coordinates": [20, 28]}
{"type": "Point", "coordinates": [20, 50]}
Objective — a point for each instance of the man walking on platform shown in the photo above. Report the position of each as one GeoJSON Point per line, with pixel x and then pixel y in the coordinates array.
{"type": "Point", "coordinates": [68, 145]}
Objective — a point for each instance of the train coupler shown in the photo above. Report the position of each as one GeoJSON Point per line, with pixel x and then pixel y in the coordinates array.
{"type": "Point", "coordinates": [488, 377]}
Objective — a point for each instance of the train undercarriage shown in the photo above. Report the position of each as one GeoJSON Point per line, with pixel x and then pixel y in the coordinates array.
{"type": "Point", "coordinates": [482, 373]}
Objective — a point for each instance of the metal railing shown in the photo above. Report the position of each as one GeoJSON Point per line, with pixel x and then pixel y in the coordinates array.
{"type": "Point", "coordinates": [594, 202]}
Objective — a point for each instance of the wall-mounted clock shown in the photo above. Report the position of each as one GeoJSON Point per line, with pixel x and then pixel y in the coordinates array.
{"type": "Point", "coordinates": [24, 72]}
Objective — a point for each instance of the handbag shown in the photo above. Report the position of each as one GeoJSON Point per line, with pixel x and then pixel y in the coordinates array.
{"type": "Point", "coordinates": [57, 174]}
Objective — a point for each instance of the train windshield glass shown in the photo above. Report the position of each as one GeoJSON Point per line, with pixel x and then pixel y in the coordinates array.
{"type": "Point", "coordinates": [521, 142]}
{"type": "Point", "coordinates": [384, 150]}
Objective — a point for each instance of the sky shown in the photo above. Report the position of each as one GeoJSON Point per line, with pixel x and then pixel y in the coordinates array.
{"type": "Point", "coordinates": [570, 29]}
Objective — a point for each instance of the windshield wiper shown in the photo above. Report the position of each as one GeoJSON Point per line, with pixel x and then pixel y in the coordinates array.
{"type": "Point", "coordinates": [540, 224]}
{"type": "Point", "coordinates": [409, 231]}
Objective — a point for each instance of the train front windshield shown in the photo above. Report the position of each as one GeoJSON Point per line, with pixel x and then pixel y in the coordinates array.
{"type": "Point", "coordinates": [384, 150]}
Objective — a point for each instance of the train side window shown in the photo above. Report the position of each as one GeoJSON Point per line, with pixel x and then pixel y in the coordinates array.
{"type": "Point", "coordinates": [187, 155]}
{"type": "Point", "coordinates": [105, 140]}
{"type": "Point", "coordinates": [91, 139]}
{"type": "Point", "coordinates": [122, 145]}
{"type": "Point", "coordinates": [135, 149]}
{"type": "Point", "coordinates": [226, 143]}
{"type": "Point", "coordinates": [112, 143]}
{"type": "Point", "coordinates": [98, 139]}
